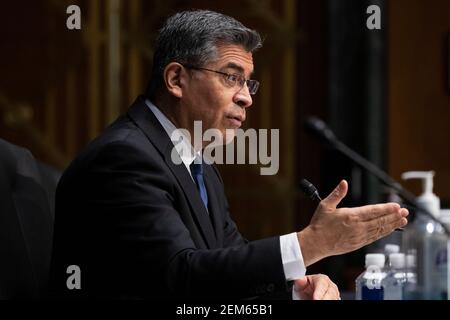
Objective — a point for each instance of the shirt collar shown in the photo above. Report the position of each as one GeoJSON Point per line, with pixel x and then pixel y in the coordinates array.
{"type": "Point", "coordinates": [183, 146]}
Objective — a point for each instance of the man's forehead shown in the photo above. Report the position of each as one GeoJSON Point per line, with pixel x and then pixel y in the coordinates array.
{"type": "Point", "coordinates": [235, 57]}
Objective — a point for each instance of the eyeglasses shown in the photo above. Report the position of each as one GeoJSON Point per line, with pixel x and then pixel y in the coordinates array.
{"type": "Point", "coordinates": [233, 79]}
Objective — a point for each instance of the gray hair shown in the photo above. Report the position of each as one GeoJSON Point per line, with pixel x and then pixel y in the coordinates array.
{"type": "Point", "coordinates": [191, 38]}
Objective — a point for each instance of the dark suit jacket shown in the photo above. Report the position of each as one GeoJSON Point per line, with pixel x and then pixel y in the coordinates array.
{"type": "Point", "coordinates": [134, 222]}
{"type": "Point", "coordinates": [26, 223]}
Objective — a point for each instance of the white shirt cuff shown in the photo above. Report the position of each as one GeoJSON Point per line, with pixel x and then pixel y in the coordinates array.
{"type": "Point", "coordinates": [292, 258]}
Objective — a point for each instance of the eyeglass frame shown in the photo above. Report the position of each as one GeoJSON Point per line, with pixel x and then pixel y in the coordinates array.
{"type": "Point", "coordinates": [227, 75]}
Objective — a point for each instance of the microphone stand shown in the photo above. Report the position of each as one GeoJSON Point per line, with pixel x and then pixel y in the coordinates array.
{"type": "Point", "coordinates": [319, 129]}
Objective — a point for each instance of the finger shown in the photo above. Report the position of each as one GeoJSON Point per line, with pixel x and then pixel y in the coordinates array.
{"type": "Point", "coordinates": [304, 287]}
{"type": "Point", "coordinates": [385, 220]}
{"type": "Point", "coordinates": [338, 293]}
{"type": "Point", "coordinates": [335, 197]}
{"type": "Point", "coordinates": [394, 225]}
{"type": "Point", "coordinates": [301, 284]}
{"type": "Point", "coordinates": [404, 212]}
{"type": "Point", "coordinates": [385, 230]}
{"type": "Point", "coordinates": [332, 293]}
{"type": "Point", "coordinates": [320, 289]}
{"type": "Point", "coordinates": [375, 211]}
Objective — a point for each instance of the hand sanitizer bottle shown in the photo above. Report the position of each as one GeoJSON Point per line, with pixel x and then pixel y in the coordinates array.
{"type": "Point", "coordinates": [427, 238]}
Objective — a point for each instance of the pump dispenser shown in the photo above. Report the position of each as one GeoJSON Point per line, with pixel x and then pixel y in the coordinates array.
{"type": "Point", "coordinates": [427, 199]}
{"type": "Point", "coordinates": [426, 238]}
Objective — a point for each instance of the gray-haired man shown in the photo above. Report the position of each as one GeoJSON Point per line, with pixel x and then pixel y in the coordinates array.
{"type": "Point", "coordinates": [139, 225]}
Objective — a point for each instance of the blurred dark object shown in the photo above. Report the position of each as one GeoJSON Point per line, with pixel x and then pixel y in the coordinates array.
{"type": "Point", "coordinates": [27, 191]}
{"type": "Point", "coordinates": [448, 63]}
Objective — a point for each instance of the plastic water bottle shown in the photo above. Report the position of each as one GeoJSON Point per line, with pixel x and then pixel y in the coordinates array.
{"type": "Point", "coordinates": [369, 283]}
{"type": "Point", "coordinates": [410, 286]}
{"type": "Point", "coordinates": [395, 279]}
{"type": "Point", "coordinates": [388, 249]}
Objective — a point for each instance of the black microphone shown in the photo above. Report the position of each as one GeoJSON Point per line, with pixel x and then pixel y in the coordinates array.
{"type": "Point", "coordinates": [320, 130]}
{"type": "Point", "coordinates": [310, 190]}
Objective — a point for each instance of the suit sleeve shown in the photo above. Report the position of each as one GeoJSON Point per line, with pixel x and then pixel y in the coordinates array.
{"type": "Point", "coordinates": [137, 207]}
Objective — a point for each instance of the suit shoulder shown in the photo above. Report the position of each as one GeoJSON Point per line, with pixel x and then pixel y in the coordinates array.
{"type": "Point", "coordinates": [122, 142]}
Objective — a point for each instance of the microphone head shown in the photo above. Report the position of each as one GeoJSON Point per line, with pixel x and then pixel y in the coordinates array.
{"type": "Point", "coordinates": [319, 129]}
{"type": "Point", "coordinates": [308, 188]}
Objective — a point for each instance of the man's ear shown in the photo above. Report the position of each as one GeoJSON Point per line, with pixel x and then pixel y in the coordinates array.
{"type": "Point", "coordinates": [173, 74]}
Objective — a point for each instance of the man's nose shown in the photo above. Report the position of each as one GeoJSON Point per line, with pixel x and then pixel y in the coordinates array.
{"type": "Point", "coordinates": [243, 98]}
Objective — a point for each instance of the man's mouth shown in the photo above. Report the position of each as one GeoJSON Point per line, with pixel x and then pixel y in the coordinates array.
{"type": "Point", "coordinates": [236, 120]}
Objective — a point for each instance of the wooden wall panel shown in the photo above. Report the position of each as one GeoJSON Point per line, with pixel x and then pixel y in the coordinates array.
{"type": "Point", "coordinates": [419, 103]}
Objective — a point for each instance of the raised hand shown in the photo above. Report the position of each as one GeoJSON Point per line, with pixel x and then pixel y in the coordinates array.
{"type": "Point", "coordinates": [335, 231]}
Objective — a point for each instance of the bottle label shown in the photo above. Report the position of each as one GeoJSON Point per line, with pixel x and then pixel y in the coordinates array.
{"type": "Point", "coordinates": [372, 288]}
{"type": "Point", "coordinates": [373, 277]}
{"type": "Point", "coordinates": [372, 294]}
{"type": "Point", "coordinates": [440, 273]}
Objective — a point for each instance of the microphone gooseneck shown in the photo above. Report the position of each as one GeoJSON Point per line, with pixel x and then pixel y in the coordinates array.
{"type": "Point", "coordinates": [319, 129]}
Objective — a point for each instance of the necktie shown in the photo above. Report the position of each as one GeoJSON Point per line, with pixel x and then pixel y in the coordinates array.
{"type": "Point", "coordinates": [197, 174]}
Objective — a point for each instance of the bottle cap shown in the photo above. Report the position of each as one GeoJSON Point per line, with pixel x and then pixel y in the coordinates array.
{"type": "Point", "coordinates": [391, 248]}
{"type": "Point", "coordinates": [410, 261]}
{"type": "Point", "coordinates": [375, 259]}
{"type": "Point", "coordinates": [397, 260]}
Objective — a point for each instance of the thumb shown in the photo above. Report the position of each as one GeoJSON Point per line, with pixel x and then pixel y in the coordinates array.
{"type": "Point", "coordinates": [301, 284]}
{"type": "Point", "coordinates": [336, 195]}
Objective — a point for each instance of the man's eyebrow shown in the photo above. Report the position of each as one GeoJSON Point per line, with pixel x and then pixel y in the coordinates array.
{"type": "Point", "coordinates": [232, 65]}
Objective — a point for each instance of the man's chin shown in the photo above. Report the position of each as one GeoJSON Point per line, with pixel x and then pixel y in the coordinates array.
{"type": "Point", "coordinates": [229, 135]}
{"type": "Point", "coordinates": [219, 137]}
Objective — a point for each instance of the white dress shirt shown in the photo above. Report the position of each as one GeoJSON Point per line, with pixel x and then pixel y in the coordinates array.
{"type": "Point", "coordinates": [291, 254]}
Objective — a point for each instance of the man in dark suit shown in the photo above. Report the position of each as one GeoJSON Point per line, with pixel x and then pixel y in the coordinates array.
{"type": "Point", "coordinates": [142, 221]}
{"type": "Point", "coordinates": [26, 222]}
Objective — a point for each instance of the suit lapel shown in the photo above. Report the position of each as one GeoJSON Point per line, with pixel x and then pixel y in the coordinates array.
{"type": "Point", "coordinates": [191, 192]}
{"type": "Point", "coordinates": [146, 120]}
{"type": "Point", "coordinates": [214, 208]}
